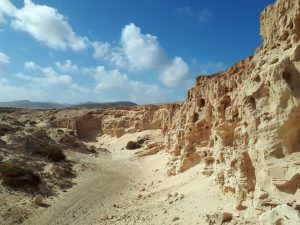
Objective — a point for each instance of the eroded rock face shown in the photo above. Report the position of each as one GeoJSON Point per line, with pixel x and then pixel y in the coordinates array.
{"type": "Point", "coordinates": [242, 124]}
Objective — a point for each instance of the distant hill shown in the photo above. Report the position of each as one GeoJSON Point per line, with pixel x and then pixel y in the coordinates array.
{"type": "Point", "coordinates": [51, 105]}
{"type": "Point", "coordinates": [32, 105]}
{"type": "Point", "coordinates": [103, 105]}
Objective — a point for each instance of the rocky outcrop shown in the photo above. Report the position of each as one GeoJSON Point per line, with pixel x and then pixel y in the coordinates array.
{"type": "Point", "coordinates": [242, 123]}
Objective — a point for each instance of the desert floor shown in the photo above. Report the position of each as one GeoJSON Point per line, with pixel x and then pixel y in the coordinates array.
{"type": "Point", "coordinates": [120, 188]}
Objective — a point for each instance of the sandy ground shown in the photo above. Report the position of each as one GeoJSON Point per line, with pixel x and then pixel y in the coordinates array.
{"type": "Point", "coordinates": [119, 188]}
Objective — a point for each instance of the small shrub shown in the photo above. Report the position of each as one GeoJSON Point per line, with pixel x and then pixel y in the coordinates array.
{"type": "Point", "coordinates": [66, 172]}
{"type": "Point", "coordinates": [131, 145]}
{"type": "Point", "coordinates": [53, 153]}
{"type": "Point", "coordinates": [1, 158]}
{"type": "Point", "coordinates": [43, 148]}
{"type": "Point", "coordinates": [18, 177]}
{"type": "Point", "coordinates": [31, 122]}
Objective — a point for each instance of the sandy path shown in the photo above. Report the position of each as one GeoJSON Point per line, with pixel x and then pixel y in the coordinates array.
{"type": "Point", "coordinates": [121, 189]}
{"type": "Point", "coordinates": [97, 190]}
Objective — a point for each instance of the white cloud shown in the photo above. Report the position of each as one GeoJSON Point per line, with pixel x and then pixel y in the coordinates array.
{"type": "Point", "coordinates": [4, 60]}
{"type": "Point", "coordinates": [175, 74]}
{"type": "Point", "coordinates": [141, 50]}
{"type": "Point", "coordinates": [145, 93]}
{"type": "Point", "coordinates": [112, 79]}
{"type": "Point", "coordinates": [7, 8]}
{"type": "Point", "coordinates": [31, 65]}
{"type": "Point", "coordinates": [49, 76]}
{"type": "Point", "coordinates": [2, 19]}
{"type": "Point", "coordinates": [9, 92]}
{"type": "Point", "coordinates": [113, 84]}
{"type": "Point", "coordinates": [45, 24]}
{"type": "Point", "coordinates": [118, 59]}
{"type": "Point", "coordinates": [67, 66]}
{"type": "Point", "coordinates": [101, 49]}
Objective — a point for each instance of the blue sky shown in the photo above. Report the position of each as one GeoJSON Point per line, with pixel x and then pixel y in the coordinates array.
{"type": "Point", "coordinates": [146, 51]}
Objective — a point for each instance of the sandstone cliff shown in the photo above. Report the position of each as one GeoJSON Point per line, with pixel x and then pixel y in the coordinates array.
{"type": "Point", "coordinates": [242, 124]}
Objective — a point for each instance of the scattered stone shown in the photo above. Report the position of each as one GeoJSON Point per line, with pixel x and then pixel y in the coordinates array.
{"type": "Point", "coordinates": [175, 218]}
{"type": "Point", "coordinates": [143, 189]}
{"type": "Point", "coordinates": [38, 199]}
{"type": "Point", "coordinates": [218, 218]}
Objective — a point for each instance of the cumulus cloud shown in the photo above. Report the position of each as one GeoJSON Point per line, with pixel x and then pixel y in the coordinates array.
{"type": "Point", "coordinates": [4, 59]}
{"type": "Point", "coordinates": [109, 79]}
{"type": "Point", "coordinates": [101, 49]}
{"type": "Point", "coordinates": [49, 76]}
{"type": "Point", "coordinates": [44, 24]}
{"type": "Point", "coordinates": [175, 74]}
{"type": "Point", "coordinates": [142, 51]}
{"type": "Point", "coordinates": [7, 8]}
{"type": "Point", "coordinates": [2, 19]}
{"type": "Point", "coordinates": [31, 65]}
{"type": "Point", "coordinates": [145, 93]}
{"type": "Point", "coordinates": [114, 83]}
{"type": "Point", "coordinates": [10, 92]}
{"type": "Point", "coordinates": [67, 66]}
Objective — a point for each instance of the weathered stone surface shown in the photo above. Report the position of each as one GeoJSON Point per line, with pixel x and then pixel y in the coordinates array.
{"type": "Point", "coordinates": [282, 214]}
{"type": "Point", "coordinates": [242, 123]}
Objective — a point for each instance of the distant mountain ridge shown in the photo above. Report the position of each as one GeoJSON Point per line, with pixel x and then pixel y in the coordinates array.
{"type": "Point", "coordinates": [26, 104]}
{"type": "Point", "coordinates": [103, 105]}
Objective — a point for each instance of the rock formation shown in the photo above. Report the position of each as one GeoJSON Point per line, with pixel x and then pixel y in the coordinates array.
{"type": "Point", "coordinates": [242, 123]}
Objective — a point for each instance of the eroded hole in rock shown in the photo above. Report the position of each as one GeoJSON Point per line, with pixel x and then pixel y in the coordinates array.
{"type": "Point", "coordinates": [285, 35]}
{"type": "Point", "coordinates": [195, 117]}
{"type": "Point", "coordinates": [201, 102]}
{"type": "Point", "coordinates": [257, 78]}
{"type": "Point", "coordinates": [250, 101]}
{"type": "Point", "coordinates": [226, 102]}
{"type": "Point", "coordinates": [286, 76]}
{"type": "Point", "coordinates": [226, 90]}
